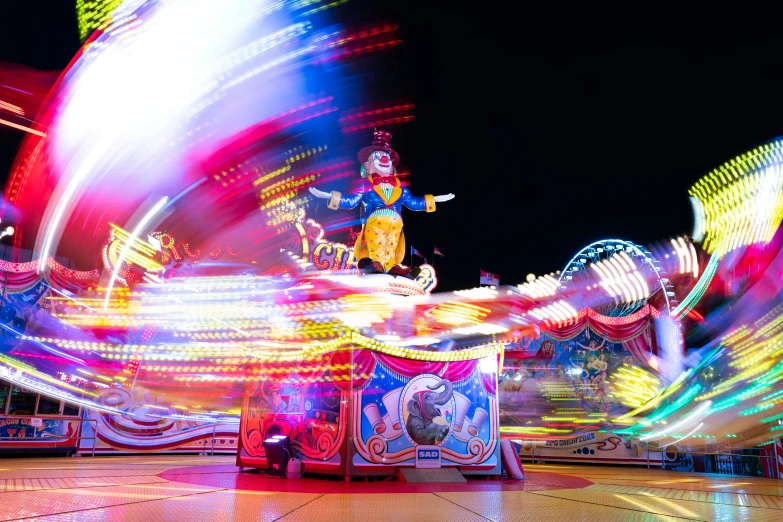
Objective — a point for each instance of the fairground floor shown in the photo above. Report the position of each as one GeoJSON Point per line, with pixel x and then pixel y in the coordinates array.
{"type": "Point", "coordinates": [193, 488]}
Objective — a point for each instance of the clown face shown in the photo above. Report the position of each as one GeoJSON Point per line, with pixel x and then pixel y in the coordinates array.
{"type": "Point", "coordinates": [380, 163]}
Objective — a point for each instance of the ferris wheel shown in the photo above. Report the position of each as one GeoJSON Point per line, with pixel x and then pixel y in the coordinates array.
{"type": "Point", "coordinates": [628, 272]}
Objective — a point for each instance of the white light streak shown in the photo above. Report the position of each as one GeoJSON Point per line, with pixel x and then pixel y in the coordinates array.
{"type": "Point", "coordinates": [694, 430]}
{"type": "Point", "coordinates": [701, 411]}
{"type": "Point", "coordinates": [126, 248]}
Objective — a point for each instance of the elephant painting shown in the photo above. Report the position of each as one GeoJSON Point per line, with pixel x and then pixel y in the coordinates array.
{"type": "Point", "coordinates": [422, 411]}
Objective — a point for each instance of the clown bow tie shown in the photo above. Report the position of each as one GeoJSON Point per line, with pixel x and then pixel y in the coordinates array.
{"type": "Point", "coordinates": [391, 180]}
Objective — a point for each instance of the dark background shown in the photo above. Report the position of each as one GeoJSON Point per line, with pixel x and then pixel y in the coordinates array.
{"type": "Point", "coordinates": [553, 128]}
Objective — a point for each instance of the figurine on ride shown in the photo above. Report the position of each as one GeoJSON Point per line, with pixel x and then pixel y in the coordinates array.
{"type": "Point", "coordinates": [381, 243]}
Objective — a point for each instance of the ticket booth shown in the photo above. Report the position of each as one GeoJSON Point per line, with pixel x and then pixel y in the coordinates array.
{"type": "Point", "coordinates": [362, 408]}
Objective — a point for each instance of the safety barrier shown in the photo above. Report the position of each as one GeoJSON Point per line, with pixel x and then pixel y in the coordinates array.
{"type": "Point", "coordinates": [727, 462]}
{"type": "Point", "coordinates": [630, 460]}
{"type": "Point", "coordinates": [212, 451]}
{"type": "Point", "coordinates": [731, 463]}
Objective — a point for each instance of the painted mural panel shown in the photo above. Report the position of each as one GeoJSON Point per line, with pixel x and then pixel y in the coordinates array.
{"type": "Point", "coordinates": [561, 396]}
{"type": "Point", "coordinates": [452, 405]}
{"type": "Point", "coordinates": [27, 432]}
{"type": "Point", "coordinates": [148, 424]}
{"type": "Point", "coordinates": [549, 376]}
{"type": "Point", "coordinates": [302, 402]}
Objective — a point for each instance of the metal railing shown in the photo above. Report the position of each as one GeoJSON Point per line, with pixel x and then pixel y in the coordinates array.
{"type": "Point", "coordinates": [57, 440]}
{"type": "Point", "coordinates": [728, 463]}
{"type": "Point", "coordinates": [630, 460]}
{"type": "Point", "coordinates": [212, 451]}
{"type": "Point", "coordinates": [53, 438]}
{"type": "Point", "coordinates": [724, 463]}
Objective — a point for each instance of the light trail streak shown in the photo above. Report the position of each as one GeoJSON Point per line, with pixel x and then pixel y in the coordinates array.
{"type": "Point", "coordinates": [22, 127]}
{"type": "Point", "coordinates": [700, 411]}
{"type": "Point", "coordinates": [129, 244]}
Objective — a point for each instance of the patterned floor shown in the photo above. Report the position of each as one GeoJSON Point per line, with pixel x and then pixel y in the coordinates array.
{"type": "Point", "coordinates": [195, 488]}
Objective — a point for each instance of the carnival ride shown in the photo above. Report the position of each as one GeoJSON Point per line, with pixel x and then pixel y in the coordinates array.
{"type": "Point", "coordinates": [623, 269]}
{"type": "Point", "coordinates": [252, 322]}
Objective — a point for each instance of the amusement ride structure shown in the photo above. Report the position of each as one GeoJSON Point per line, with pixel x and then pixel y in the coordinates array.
{"type": "Point", "coordinates": [623, 269]}
{"type": "Point", "coordinates": [167, 331]}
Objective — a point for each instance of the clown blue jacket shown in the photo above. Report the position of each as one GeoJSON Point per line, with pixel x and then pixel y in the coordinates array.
{"type": "Point", "coordinates": [376, 201]}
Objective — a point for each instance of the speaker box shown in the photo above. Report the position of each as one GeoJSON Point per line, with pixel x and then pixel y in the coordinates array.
{"type": "Point", "coordinates": [278, 453]}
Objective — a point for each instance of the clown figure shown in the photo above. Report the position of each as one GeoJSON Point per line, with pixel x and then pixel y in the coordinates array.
{"type": "Point", "coordinates": [381, 243]}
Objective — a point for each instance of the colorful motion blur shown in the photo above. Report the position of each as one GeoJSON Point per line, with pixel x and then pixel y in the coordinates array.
{"type": "Point", "coordinates": [178, 264]}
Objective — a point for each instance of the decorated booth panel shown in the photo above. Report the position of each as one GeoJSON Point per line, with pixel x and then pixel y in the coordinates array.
{"type": "Point", "coordinates": [566, 392]}
{"type": "Point", "coordinates": [365, 411]}
{"type": "Point", "coordinates": [300, 400]}
{"type": "Point", "coordinates": [143, 426]}
{"type": "Point", "coordinates": [404, 404]}
{"type": "Point", "coordinates": [36, 433]}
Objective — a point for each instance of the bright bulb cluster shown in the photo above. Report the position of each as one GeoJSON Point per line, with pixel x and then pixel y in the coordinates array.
{"type": "Point", "coordinates": [686, 253]}
{"type": "Point", "coordinates": [560, 312]}
{"type": "Point", "coordinates": [621, 279]}
{"type": "Point", "coordinates": [742, 200]}
{"type": "Point", "coordinates": [543, 286]}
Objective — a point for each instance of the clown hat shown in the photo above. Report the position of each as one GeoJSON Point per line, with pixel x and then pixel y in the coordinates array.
{"type": "Point", "coordinates": [381, 141]}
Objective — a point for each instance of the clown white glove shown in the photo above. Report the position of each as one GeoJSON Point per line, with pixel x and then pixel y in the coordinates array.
{"type": "Point", "coordinates": [441, 199]}
{"type": "Point", "coordinates": [321, 194]}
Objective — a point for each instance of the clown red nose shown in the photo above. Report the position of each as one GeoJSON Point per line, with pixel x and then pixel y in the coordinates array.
{"type": "Point", "coordinates": [381, 142]}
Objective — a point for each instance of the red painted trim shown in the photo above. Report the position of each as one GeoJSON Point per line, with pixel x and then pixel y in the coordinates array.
{"type": "Point", "coordinates": [477, 467]}
{"type": "Point", "coordinates": [147, 423]}
{"type": "Point", "coordinates": [64, 445]}
{"type": "Point", "coordinates": [260, 462]}
{"type": "Point", "coordinates": [140, 431]}
{"type": "Point", "coordinates": [31, 444]}
{"type": "Point", "coordinates": [199, 449]}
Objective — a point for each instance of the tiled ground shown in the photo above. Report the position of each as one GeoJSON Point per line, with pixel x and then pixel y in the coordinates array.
{"type": "Point", "coordinates": [192, 489]}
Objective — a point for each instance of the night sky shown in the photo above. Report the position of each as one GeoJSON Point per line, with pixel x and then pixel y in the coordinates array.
{"type": "Point", "coordinates": [554, 129]}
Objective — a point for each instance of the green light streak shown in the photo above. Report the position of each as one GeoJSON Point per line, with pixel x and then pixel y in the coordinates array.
{"type": "Point", "coordinates": [682, 401]}
{"type": "Point", "coordinates": [761, 384]}
{"type": "Point", "coordinates": [757, 409]}
{"type": "Point", "coordinates": [323, 7]}
{"type": "Point", "coordinates": [696, 293]}
{"type": "Point", "coordinates": [773, 396]}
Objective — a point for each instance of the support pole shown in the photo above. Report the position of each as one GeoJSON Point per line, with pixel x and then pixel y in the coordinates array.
{"type": "Point", "coordinates": [94, 435]}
